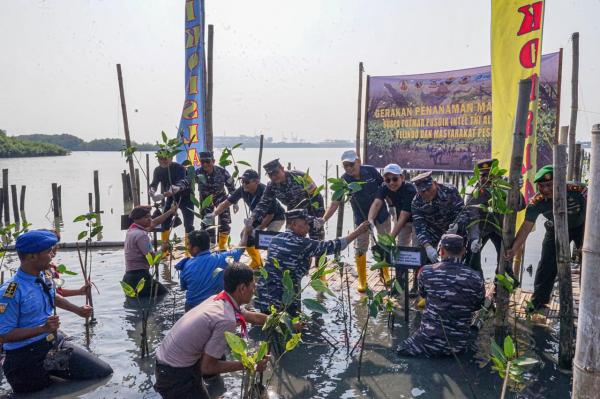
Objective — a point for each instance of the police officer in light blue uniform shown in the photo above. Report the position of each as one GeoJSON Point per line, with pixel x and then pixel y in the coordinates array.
{"type": "Point", "coordinates": [28, 327]}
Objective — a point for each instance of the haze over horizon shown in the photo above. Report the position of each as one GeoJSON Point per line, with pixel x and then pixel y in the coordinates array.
{"type": "Point", "coordinates": [284, 69]}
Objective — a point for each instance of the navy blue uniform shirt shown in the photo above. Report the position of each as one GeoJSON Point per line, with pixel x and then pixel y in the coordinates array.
{"type": "Point", "coordinates": [401, 199]}
{"type": "Point", "coordinates": [362, 200]}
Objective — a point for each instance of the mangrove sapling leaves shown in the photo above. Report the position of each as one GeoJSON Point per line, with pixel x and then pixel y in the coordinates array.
{"type": "Point", "coordinates": [157, 258]}
{"type": "Point", "coordinates": [263, 348]}
{"type": "Point", "coordinates": [509, 347]}
{"type": "Point", "coordinates": [206, 202]}
{"type": "Point", "coordinates": [244, 163]}
{"type": "Point", "coordinates": [150, 259]}
{"type": "Point", "coordinates": [128, 290]}
{"type": "Point", "coordinates": [322, 259]}
{"type": "Point", "coordinates": [238, 145]}
{"type": "Point", "coordinates": [506, 281]}
{"type": "Point", "coordinates": [62, 269]}
{"type": "Point", "coordinates": [498, 352]}
{"type": "Point", "coordinates": [379, 265]}
{"type": "Point", "coordinates": [275, 263]}
{"type": "Point", "coordinates": [82, 235]}
{"type": "Point", "coordinates": [194, 201]}
{"type": "Point", "coordinates": [524, 361]}
{"type": "Point", "coordinates": [288, 288]}
{"type": "Point", "coordinates": [140, 285]}
{"type": "Point", "coordinates": [386, 240]}
{"type": "Point", "coordinates": [96, 230]}
{"type": "Point", "coordinates": [320, 286]}
{"type": "Point", "coordinates": [337, 196]}
{"type": "Point", "coordinates": [314, 306]}
{"type": "Point", "coordinates": [165, 139]}
{"type": "Point", "coordinates": [397, 287]}
{"type": "Point", "coordinates": [80, 218]}
{"type": "Point", "coordinates": [235, 343]}
{"type": "Point", "coordinates": [261, 272]}
{"type": "Point", "coordinates": [293, 342]}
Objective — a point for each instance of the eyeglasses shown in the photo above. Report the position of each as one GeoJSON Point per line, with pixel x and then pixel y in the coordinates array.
{"type": "Point", "coordinates": [391, 179]}
{"type": "Point", "coordinates": [348, 164]}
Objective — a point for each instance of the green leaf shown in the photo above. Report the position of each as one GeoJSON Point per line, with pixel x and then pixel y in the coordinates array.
{"type": "Point", "coordinates": [80, 218]}
{"type": "Point", "coordinates": [238, 145]}
{"type": "Point", "coordinates": [288, 288]}
{"type": "Point", "coordinates": [165, 139]}
{"type": "Point", "coordinates": [236, 344]}
{"type": "Point", "coordinates": [524, 361]}
{"type": "Point", "coordinates": [497, 352]}
{"type": "Point", "coordinates": [263, 348]}
{"type": "Point", "coordinates": [128, 290]}
{"type": "Point", "coordinates": [509, 347]}
{"type": "Point", "coordinates": [82, 235]}
{"type": "Point", "coordinates": [320, 286]}
{"type": "Point", "coordinates": [373, 309]}
{"type": "Point", "coordinates": [244, 163]}
{"type": "Point", "coordinates": [293, 342]}
{"type": "Point", "coordinates": [150, 259]}
{"type": "Point", "coordinates": [63, 270]}
{"type": "Point", "coordinates": [140, 285]}
{"type": "Point", "coordinates": [194, 201]}
{"type": "Point", "coordinates": [379, 265]}
{"type": "Point", "coordinates": [322, 259]}
{"type": "Point", "coordinates": [263, 272]}
{"type": "Point", "coordinates": [207, 201]}
{"type": "Point", "coordinates": [314, 305]}
{"type": "Point", "coordinates": [397, 286]}
{"type": "Point", "coordinates": [275, 263]}
{"type": "Point", "coordinates": [96, 230]}
{"type": "Point", "coordinates": [157, 258]}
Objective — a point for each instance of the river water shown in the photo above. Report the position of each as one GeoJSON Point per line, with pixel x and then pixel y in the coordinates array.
{"type": "Point", "coordinates": [315, 369]}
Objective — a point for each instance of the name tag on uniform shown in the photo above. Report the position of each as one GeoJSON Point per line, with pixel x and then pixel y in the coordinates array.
{"type": "Point", "coordinates": [10, 290]}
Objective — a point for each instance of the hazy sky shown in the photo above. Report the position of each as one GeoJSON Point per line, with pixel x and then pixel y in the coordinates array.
{"type": "Point", "coordinates": [282, 68]}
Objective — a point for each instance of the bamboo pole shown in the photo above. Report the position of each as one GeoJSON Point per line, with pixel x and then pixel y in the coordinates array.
{"type": "Point", "coordinates": [586, 373]}
{"type": "Point", "coordinates": [508, 236]}
{"type": "Point", "coordinates": [55, 203]}
{"type": "Point", "coordinates": [574, 105]}
{"type": "Point", "coordinates": [15, 204]}
{"type": "Point", "coordinates": [340, 210]}
{"type": "Point", "coordinates": [326, 183]}
{"type": "Point", "coordinates": [359, 111]}
{"type": "Point", "coordinates": [209, 88]}
{"type": "Point", "coordinates": [577, 170]}
{"type": "Point", "coordinates": [148, 178]}
{"type": "Point", "coordinates": [563, 255]}
{"type": "Point", "coordinates": [365, 157]}
{"type": "Point", "coordinates": [5, 195]}
{"type": "Point", "coordinates": [22, 203]}
{"type": "Point", "coordinates": [127, 137]}
{"type": "Point", "coordinates": [96, 193]}
{"type": "Point", "coordinates": [260, 154]}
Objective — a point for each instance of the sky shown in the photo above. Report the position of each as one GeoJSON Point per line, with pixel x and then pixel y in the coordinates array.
{"type": "Point", "coordinates": [286, 69]}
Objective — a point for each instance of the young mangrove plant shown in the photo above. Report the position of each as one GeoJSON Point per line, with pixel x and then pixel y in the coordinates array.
{"type": "Point", "coordinates": [135, 293]}
{"type": "Point", "coordinates": [508, 364]}
{"type": "Point", "coordinates": [249, 358]}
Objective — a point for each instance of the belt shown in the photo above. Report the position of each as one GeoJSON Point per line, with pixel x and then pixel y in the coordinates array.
{"type": "Point", "coordinates": [34, 345]}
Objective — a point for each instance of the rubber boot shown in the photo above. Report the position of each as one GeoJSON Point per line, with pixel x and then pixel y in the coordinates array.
{"type": "Point", "coordinates": [385, 273]}
{"type": "Point", "coordinates": [186, 241]}
{"type": "Point", "coordinates": [255, 257]}
{"type": "Point", "coordinates": [361, 269]}
{"type": "Point", "coordinates": [164, 237]}
{"type": "Point", "coordinates": [223, 239]}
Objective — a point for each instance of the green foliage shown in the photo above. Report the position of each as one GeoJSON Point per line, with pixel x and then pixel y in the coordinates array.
{"type": "Point", "coordinates": [506, 281]}
{"type": "Point", "coordinates": [92, 223]}
{"type": "Point", "coordinates": [310, 188]}
{"type": "Point", "coordinates": [227, 158]}
{"type": "Point", "coordinates": [169, 147]}
{"type": "Point", "coordinates": [506, 363]}
{"type": "Point", "coordinates": [62, 269]}
{"type": "Point", "coordinates": [239, 350]}
{"type": "Point", "coordinates": [342, 190]}
{"type": "Point", "coordinates": [128, 290]}
{"type": "Point", "coordinates": [11, 147]}
{"type": "Point", "coordinates": [154, 260]}
{"type": "Point", "coordinates": [74, 143]}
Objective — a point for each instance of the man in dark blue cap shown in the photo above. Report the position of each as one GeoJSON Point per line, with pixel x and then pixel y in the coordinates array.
{"type": "Point", "coordinates": [453, 292]}
{"type": "Point", "coordinates": [212, 180]}
{"type": "Point", "coordinates": [293, 251]}
{"type": "Point", "coordinates": [438, 208]}
{"type": "Point", "coordinates": [35, 350]}
{"type": "Point", "coordinates": [251, 192]}
{"type": "Point", "coordinates": [295, 190]}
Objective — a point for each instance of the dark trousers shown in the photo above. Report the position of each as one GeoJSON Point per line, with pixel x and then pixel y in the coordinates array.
{"type": "Point", "coordinates": [133, 278]}
{"type": "Point", "coordinates": [179, 382]}
{"type": "Point", "coordinates": [25, 372]}
{"type": "Point", "coordinates": [547, 269]}
{"type": "Point", "coordinates": [474, 260]}
{"type": "Point", "coordinates": [187, 210]}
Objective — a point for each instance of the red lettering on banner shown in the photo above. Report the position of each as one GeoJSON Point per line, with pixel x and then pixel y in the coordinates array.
{"type": "Point", "coordinates": [529, 191]}
{"type": "Point", "coordinates": [190, 109]}
{"type": "Point", "coordinates": [532, 95]}
{"type": "Point", "coordinates": [527, 159]}
{"type": "Point", "coordinates": [193, 157]}
{"type": "Point", "coordinates": [529, 53]}
{"type": "Point", "coordinates": [192, 134]}
{"type": "Point", "coordinates": [532, 17]}
{"type": "Point", "coordinates": [529, 125]}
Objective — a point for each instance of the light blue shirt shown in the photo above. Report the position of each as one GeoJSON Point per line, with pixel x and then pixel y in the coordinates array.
{"type": "Point", "coordinates": [24, 304]}
{"type": "Point", "coordinates": [197, 275]}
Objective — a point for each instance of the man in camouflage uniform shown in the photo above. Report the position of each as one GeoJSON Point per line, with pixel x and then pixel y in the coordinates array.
{"type": "Point", "coordinates": [212, 180]}
{"type": "Point", "coordinates": [293, 251]}
{"type": "Point", "coordinates": [541, 204]}
{"type": "Point", "coordinates": [453, 292]}
{"type": "Point", "coordinates": [438, 208]}
{"type": "Point", "coordinates": [488, 230]}
{"type": "Point", "coordinates": [286, 186]}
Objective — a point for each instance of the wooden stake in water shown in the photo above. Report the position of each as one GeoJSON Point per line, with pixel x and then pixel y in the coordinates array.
{"type": "Point", "coordinates": [5, 196]}
{"type": "Point", "coordinates": [574, 105]}
{"type": "Point", "coordinates": [359, 111]}
{"type": "Point", "coordinates": [209, 88]}
{"type": "Point", "coordinates": [96, 193]}
{"type": "Point", "coordinates": [15, 204]}
{"type": "Point", "coordinates": [260, 154]}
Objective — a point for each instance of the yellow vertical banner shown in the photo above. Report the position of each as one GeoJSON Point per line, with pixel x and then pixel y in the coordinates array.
{"type": "Point", "coordinates": [516, 54]}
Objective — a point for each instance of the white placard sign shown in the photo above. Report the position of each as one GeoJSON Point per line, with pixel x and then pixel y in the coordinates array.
{"type": "Point", "coordinates": [263, 238]}
{"type": "Point", "coordinates": [407, 257]}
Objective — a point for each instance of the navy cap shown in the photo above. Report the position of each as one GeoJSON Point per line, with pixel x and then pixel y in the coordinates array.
{"type": "Point", "coordinates": [297, 214]}
{"type": "Point", "coordinates": [206, 155]}
{"type": "Point", "coordinates": [423, 181]}
{"type": "Point", "coordinates": [272, 166]}
{"type": "Point", "coordinates": [249, 174]}
{"type": "Point", "coordinates": [35, 241]}
{"type": "Point", "coordinates": [485, 165]}
{"type": "Point", "coordinates": [452, 242]}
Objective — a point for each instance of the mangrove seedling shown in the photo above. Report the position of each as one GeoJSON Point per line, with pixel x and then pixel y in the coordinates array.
{"type": "Point", "coordinates": [93, 227]}
{"type": "Point", "coordinates": [251, 388]}
{"type": "Point", "coordinates": [510, 368]}
{"type": "Point", "coordinates": [135, 293]}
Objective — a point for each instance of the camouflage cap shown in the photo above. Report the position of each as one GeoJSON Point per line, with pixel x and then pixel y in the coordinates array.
{"type": "Point", "coordinates": [272, 166]}
{"type": "Point", "coordinates": [485, 165]}
{"type": "Point", "coordinates": [452, 242]}
{"type": "Point", "coordinates": [297, 214]}
{"type": "Point", "coordinates": [545, 173]}
{"type": "Point", "coordinates": [423, 181]}
{"type": "Point", "coordinates": [206, 156]}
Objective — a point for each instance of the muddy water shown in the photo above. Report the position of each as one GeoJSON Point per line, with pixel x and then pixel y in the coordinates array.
{"type": "Point", "coordinates": [316, 369]}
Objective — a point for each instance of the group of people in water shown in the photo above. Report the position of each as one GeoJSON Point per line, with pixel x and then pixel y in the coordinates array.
{"type": "Point", "coordinates": [420, 212]}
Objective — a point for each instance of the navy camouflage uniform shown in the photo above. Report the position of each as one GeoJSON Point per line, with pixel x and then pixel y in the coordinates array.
{"type": "Point", "coordinates": [293, 253]}
{"type": "Point", "coordinates": [214, 184]}
{"type": "Point", "coordinates": [175, 175]}
{"type": "Point", "coordinates": [453, 292]}
{"type": "Point", "coordinates": [293, 195]}
{"type": "Point", "coordinates": [431, 219]}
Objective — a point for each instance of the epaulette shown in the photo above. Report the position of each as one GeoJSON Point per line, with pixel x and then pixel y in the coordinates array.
{"type": "Point", "coordinates": [578, 187]}
{"type": "Point", "coordinates": [10, 290]}
{"type": "Point", "coordinates": [536, 199]}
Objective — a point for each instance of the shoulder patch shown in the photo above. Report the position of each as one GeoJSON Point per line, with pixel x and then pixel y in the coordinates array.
{"type": "Point", "coordinates": [10, 290]}
{"type": "Point", "coordinates": [536, 199]}
{"type": "Point", "coordinates": [576, 187]}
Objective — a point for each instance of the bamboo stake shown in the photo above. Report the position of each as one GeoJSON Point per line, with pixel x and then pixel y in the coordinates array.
{"type": "Point", "coordinates": [5, 195]}
{"type": "Point", "coordinates": [574, 105]}
{"type": "Point", "coordinates": [96, 193]}
{"type": "Point", "coordinates": [209, 88]}
{"type": "Point", "coordinates": [586, 373]}
{"type": "Point", "coordinates": [563, 256]}
{"type": "Point", "coordinates": [365, 157]}
{"type": "Point", "coordinates": [512, 199]}
{"type": "Point", "coordinates": [15, 204]}
{"type": "Point", "coordinates": [359, 111]}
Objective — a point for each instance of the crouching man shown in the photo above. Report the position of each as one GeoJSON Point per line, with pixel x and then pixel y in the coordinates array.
{"type": "Point", "coordinates": [196, 343]}
{"type": "Point", "coordinates": [453, 292]}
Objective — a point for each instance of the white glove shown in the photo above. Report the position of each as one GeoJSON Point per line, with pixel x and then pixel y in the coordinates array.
{"type": "Point", "coordinates": [475, 246]}
{"type": "Point", "coordinates": [175, 189]}
{"type": "Point", "coordinates": [209, 219]}
{"type": "Point", "coordinates": [432, 254]}
{"type": "Point", "coordinates": [452, 229]}
{"type": "Point", "coordinates": [318, 222]}
{"type": "Point", "coordinates": [155, 197]}
{"type": "Point", "coordinates": [236, 208]}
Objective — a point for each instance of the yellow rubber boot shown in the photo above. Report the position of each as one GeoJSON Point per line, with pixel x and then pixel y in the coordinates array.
{"type": "Point", "coordinates": [223, 239]}
{"type": "Point", "coordinates": [385, 273]}
{"type": "Point", "coordinates": [164, 237]}
{"type": "Point", "coordinates": [186, 242]}
{"type": "Point", "coordinates": [361, 269]}
{"type": "Point", "coordinates": [255, 257]}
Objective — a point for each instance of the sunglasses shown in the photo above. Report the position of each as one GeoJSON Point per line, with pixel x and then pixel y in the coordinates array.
{"type": "Point", "coordinates": [348, 164]}
{"type": "Point", "coordinates": [391, 179]}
